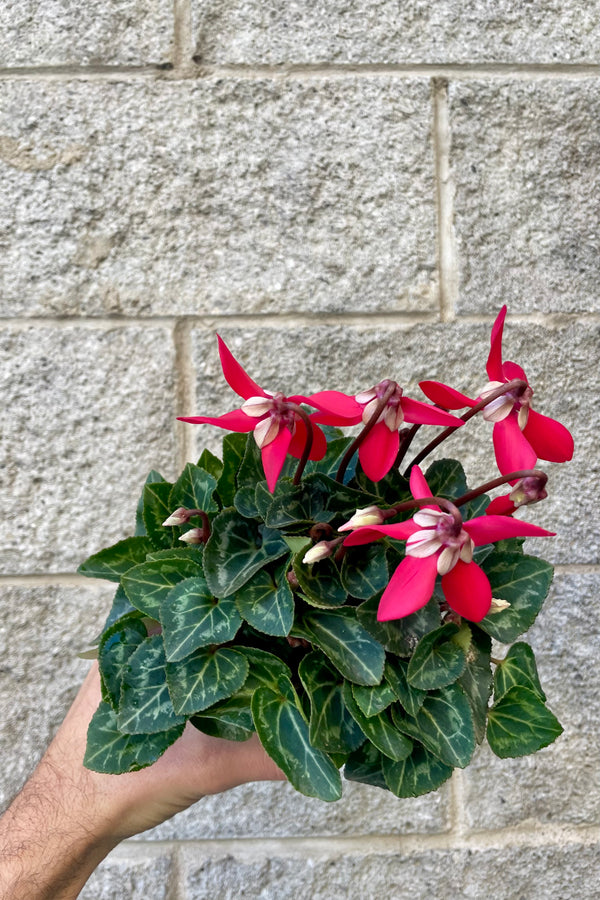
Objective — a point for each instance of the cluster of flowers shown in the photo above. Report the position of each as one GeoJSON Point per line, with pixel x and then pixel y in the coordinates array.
{"type": "Point", "coordinates": [438, 541]}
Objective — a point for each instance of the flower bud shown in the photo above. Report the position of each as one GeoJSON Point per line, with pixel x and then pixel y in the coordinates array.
{"type": "Point", "coordinates": [370, 515]}
{"type": "Point", "coordinates": [318, 551]}
{"type": "Point", "coordinates": [194, 536]}
{"type": "Point", "coordinates": [528, 490]}
{"type": "Point", "coordinates": [179, 517]}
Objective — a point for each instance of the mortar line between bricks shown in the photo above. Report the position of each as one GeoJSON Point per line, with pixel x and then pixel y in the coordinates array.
{"type": "Point", "coordinates": [446, 250]}
{"type": "Point", "coordinates": [457, 805]}
{"type": "Point", "coordinates": [183, 65]}
{"type": "Point", "coordinates": [210, 321]}
{"type": "Point", "coordinates": [200, 71]}
{"type": "Point", "coordinates": [186, 390]}
{"type": "Point", "coordinates": [537, 834]}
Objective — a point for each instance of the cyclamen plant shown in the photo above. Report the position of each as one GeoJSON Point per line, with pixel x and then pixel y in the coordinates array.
{"type": "Point", "coordinates": [305, 589]}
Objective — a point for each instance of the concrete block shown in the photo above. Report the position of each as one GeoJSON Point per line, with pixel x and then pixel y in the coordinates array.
{"type": "Point", "coordinates": [559, 784]}
{"type": "Point", "coordinates": [506, 873]}
{"type": "Point", "coordinates": [218, 196]}
{"type": "Point", "coordinates": [278, 811]}
{"type": "Point", "coordinates": [64, 32]}
{"type": "Point", "coordinates": [134, 873]}
{"type": "Point", "coordinates": [42, 628]}
{"type": "Point", "coordinates": [525, 163]}
{"type": "Point", "coordinates": [87, 413]}
{"type": "Point", "coordinates": [560, 363]}
{"type": "Point", "coordinates": [384, 31]}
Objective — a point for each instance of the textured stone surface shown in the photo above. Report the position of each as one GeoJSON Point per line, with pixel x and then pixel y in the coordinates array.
{"type": "Point", "coordinates": [273, 811]}
{"type": "Point", "coordinates": [353, 358]}
{"type": "Point", "coordinates": [132, 873]}
{"type": "Point", "coordinates": [87, 413]}
{"type": "Point", "coordinates": [42, 629]}
{"type": "Point", "coordinates": [386, 31]}
{"type": "Point", "coordinates": [525, 160]}
{"type": "Point", "coordinates": [510, 873]}
{"type": "Point", "coordinates": [65, 32]}
{"type": "Point", "coordinates": [562, 782]}
{"type": "Point", "coordinates": [216, 196]}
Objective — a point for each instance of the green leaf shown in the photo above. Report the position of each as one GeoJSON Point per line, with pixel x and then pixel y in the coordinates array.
{"type": "Point", "coordinates": [524, 582]}
{"type": "Point", "coordinates": [297, 543]}
{"type": "Point", "coordinates": [378, 729]}
{"type": "Point", "coordinates": [234, 446]}
{"type": "Point", "coordinates": [476, 680]}
{"type": "Point", "coordinates": [444, 724]}
{"type": "Point", "coordinates": [446, 478]}
{"type": "Point", "coordinates": [148, 584]}
{"type": "Point", "coordinates": [191, 618]}
{"type": "Point", "coordinates": [230, 719]}
{"type": "Point", "coordinates": [399, 636]}
{"type": "Point", "coordinates": [194, 490]}
{"type": "Point", "coordinates": [519, 723]}
{"type": "Point", "coordinates": [350, 648]}
{"type": "Point", "coordinates": [265, 669]}
{"type": "Point", "coordinates": [299, 504]}
{"type": "Point", "coordinates": [364, 570]}
{"type": "Point", "coordinates": [320, 582]}
{"type": "Point", "coordinates": [437, 660]}
{"type": "Point", "coordinates": [211, 464]}
{"type": "Point", "coordinates": [418, 774]}
{"type": "Point", "coordinates": [266, 602]}
{"type": "Point", "coordinates": [517, 668]}
{"type": "Point", "coordinates": [193, 552]}
{"type": "Point", "coordinates": [112, 562]}
{"type": "Point", "coordinates": [373, 700]}
{"type": "Point", "coordinates": [120, 607]}
{"type": "Point", "coordinates": [111, 752]}
{"type": "Point", "coordinates": [236, 549]}
{"type": "Point", "coordinates": [156, 509]}
{"type": "Point", "coordinates": [145, 706]}
{"type": "Point", "coordinates": [283, 732]}
{"type": "Point", "coordinates": [332, 728]}
{"type": "Point", "coordinates": [140, 528]}
{"type": "Point", "coordinates": [205, 677]}
{"type": "Point", "coordinates": [365, 765]}
{"type": "Point", "coordinates": [116, 646]}
{"type": "Point", "coordinates": [396, 675]}
{"type": "Point", "coordinates": [392, 488]}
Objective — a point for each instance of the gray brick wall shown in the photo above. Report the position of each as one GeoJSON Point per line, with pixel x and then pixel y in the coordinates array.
{"type": "Point", "coordinates": [343, 191]}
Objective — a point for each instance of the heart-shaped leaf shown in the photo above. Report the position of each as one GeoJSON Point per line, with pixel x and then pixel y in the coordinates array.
{"type": "Point", "coordinates": [145, 706]}
{"type": "Point", "coordinates": [205, 677]}
{"type": "Point", "coordinates": [157, 509]}
{"type": "Point", "coordinates": [111, 752]}
{"type": "Point", "coordinates": [140, 528]}
{"type": "Point", "coordinates": [378, 729]}
{"type": "Point", "coordinates": [112, 562]}
{"type": "Point", "coordinates": [266, 602]}
{"type": "Point", "coordinates": [476, 680]}
{"type": "Point", "coordinates": [524, 582]}
{"type": "Point", "coordinates": [116, 646]}
{"type": "Point", "coordinates": [373, 700]}
{"type": "Point", "coordinates": [437, 660]}
{"type": "Point", "coordinates": [396, 675]}
{"type": "Point", "coordinates": [364, 571]}
{"type": "Point", "coordinates": [519, 723]}
{"type": "Point", "coordinates": [191, 618]}
{"type": "Point", "coordinates": [352, 650]}
{"type": "Point", "coordinates": [332, 728]}
{"type": "Point", "coordinates": [517, 668]}
{"type": "Point", "coordinates": [444, 725]}
{"type": "Point", "coordinates": [283, 732]}
{"type": "Point", "coordinates": [148, 584]}
{"type": "Point", "coordinates": [320, 582]}
{"type": "Point", "coordinates": [194, 489]}
{"type": "Point", "coordinates": [211, 464]}
{"type": "Point", "coordinates": [417, 774]}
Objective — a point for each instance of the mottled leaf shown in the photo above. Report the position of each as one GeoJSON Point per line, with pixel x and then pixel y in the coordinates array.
{"type": "Point", "coordinates": [111, 752]}
{"type": "Point", "coordinates": [396, 675]}
{"type": "Point", "coordinates": [148, 584]}
{"type": "Point", "coordinates": [399, 636]}
{"type": "Point", "coordinates": [524, 582]}
{"type": "Point", "coordinates": [191, 618]}
{"type": "Point", "coordinates": [476, 680]}
{"type": "Point", "coordinates": [112, 562]}
{"type": "Point", "coordinates": [332, 728]}
{"type": "Point", "coordinates": [519, 723]}
{"type": "Point", "coordinates": [205, 677]}
{"type": "Point", "coordinates": [364, 571]}
{"type": "Point", "coordinates": [156, 510]}
{"type": "Point", "coordinates": [517, 668]}
{"type": "Point", "coordinates": [374, 699]}
{"type": "Point", "coordinates": [365, 765]}
{"type": "Point", "coordinates": [320, 582]}
{"type": "Point", "coordinates": [194, 490]}
{"type": "Point", "coordinates": [437, 660]}
{"type": "Point", "coordinates": [266, 602]}
{"type": "Point", "coordinates": [116, 646]}
{"type": "Point", "coordinates": [418, 774]}
{"type": "Point", "coordinates": [145, 706]}
{"type": "Point", "coordinates": [379, 729]}
{"type": "Point", "coordinates": [350, 648]}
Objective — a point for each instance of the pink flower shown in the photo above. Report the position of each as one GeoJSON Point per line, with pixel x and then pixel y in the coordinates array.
{"type": "Point", "coordinates": [278, 428]}
{"type": "Point", "coordinates": [526, 490]}
{"type": "Point", "coordinates": [520, 435]}
{"type": "Point", "coordinates": [379, 449]}
{"type": "Point", "coordinates": [440, 543]}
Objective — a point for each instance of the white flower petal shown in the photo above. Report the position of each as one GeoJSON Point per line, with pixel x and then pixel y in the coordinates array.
{"type": "Point", "coordinates": [423, 543]}
{"type": "Point", "coordinates": [428, 518]}
{"type": "Point", "coordinates": [365, 396]}
{"type": "Point", "coordinates": [466, 551]}
{"type": "Point", "coordinates": [447, 559]}
{"type": "Point", "coordinates": [266, 431]}
{"type": "Point", "coordinates": [257, 406]}
{"type": "Point", "coordinates": [498, 409]}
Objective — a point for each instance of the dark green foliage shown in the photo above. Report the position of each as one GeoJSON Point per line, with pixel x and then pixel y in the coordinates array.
{"type": "Point", "coordinates": [240, 635]}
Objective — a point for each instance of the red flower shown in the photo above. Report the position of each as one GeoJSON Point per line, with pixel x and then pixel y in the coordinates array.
{"type": "Point", "coordinates": [379, 449]}
{"type": "Point", "coordinates": [521, 435]}
{"type": "Point", "coordinates": [530, 489]}
{"type": "Point", "coordinates": [440, 543]}
{"type": "Point", "coordinates": [278, 428]}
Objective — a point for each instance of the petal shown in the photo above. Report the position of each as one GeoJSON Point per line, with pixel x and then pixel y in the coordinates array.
{"type": "Point", "coordinates": [319, 444]}
{"type": "Point", "coordinates": [378, 451]}
{"type": "Point", "coordinates": [409, 589]}
{"type": "Point", "coordinates": [416, 412]}
{"type": "Point", "coordinates": [501, 506]}
{"type": "Point", "coordinates": [418, 486]}
{"type": "Point", "coordinates": [235, 376]}
{"type": "Point", "coordinates": [257, 406]}
{"type": "Point", "coordinates": [447, 559]}
{"type": "Point", "coordinates": [423, 543]}
{"type": "Point", "coordinates": [550, 440]}
{"type": "Point", "coordinates": [367, 533]}
{"type": "Point", "coordinates": [494, 363]}
{"type": "Point", "coordinates": [444, 395]}
{"type": "Point", "coordinates": [341, 405]}
{"type": "Point", "coordinates": [512, 370]}
{"type": "Point", "coordinates": [273, 457]}
{"type": "Point", "coordinates": [468, 591]}
{"type": "Point", "coordinates": [234, 421]}
{"type": "Point", "coordinates": [487, 529]}
{"type": "Point", "coordinates": [266, 430]}
{"type": "Point", "coordinates": [513, 450]}
{"type": "Point", "coordinates": [428, 517]}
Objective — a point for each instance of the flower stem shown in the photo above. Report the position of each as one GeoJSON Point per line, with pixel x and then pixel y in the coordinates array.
{"type": "Point", "coordinates": [513, 385]}
{"type": "Point", "coordinates": [362, 435]}
{"type": "Point", "coordinates": [307, 444]}
{"type": "Point", "coordinates": [497, 482]}
{"type": "Point", "coordinates": [406, 439]}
